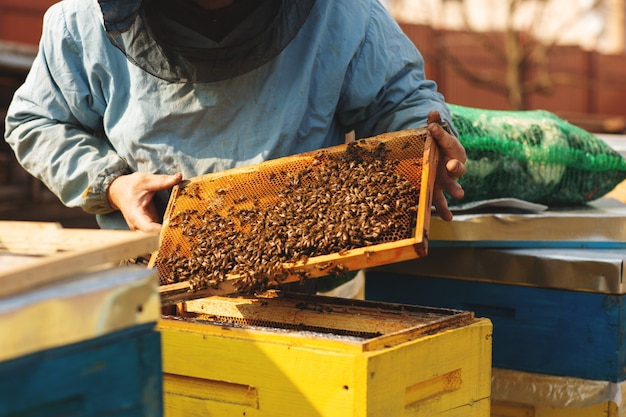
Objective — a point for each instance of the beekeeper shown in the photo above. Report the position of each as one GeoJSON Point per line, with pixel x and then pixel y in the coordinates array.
{"type": "Point", "coordinates": [127, 97]}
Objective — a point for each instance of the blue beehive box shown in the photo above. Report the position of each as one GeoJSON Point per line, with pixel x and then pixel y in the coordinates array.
{"type": "Point", "coordinates": [554, 311]}
{"type": "Point", "coordinates": [77, 343]}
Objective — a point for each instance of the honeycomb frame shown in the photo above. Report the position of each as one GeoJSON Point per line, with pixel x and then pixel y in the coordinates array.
{"type": "Point", "coordinates": [254, 186]}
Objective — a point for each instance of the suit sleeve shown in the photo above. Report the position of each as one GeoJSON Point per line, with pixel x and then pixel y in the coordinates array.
{"type": "Point", "coordinates": [54, 122]}
{"type": "Point", "coordinates": [386, 89]}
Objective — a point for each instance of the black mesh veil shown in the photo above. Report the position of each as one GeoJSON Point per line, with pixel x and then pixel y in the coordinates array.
{"type": "Point", "coordinates": [139, 31]}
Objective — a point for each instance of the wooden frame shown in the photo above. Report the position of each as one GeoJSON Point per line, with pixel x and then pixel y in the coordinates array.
{"type": "Point", "coordinates": [355, 259]}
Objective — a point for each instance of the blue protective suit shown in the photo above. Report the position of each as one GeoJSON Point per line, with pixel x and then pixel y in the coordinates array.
{"type": "Point", "coordinates": [87, 114]}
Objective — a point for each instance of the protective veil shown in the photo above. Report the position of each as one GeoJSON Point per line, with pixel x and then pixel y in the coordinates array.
{"type": "Point", "coordinates": [150, 39]}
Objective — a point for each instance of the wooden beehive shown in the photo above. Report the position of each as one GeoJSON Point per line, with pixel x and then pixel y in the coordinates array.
{"type": "Point", "coordinates": [557, 311]}
{"type": "Point", "coordinates": [325, 357]}
{"type": "Point", "coordinates": [77, 332]}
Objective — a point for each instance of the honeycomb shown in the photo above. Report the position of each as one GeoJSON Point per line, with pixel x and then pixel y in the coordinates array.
{"type": "Point", "coordinates": [324, 212]}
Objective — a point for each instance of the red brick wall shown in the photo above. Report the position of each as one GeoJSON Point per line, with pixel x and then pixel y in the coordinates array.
{"type": "Point", "coordinates": [20, 20]}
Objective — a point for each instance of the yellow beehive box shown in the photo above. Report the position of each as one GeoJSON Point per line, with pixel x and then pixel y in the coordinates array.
{"type": "Point", "coordinates": [301, 355]}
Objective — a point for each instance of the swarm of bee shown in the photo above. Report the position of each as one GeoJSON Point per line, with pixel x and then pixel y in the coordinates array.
{"type": "Point", "coordinates": [340, 202]}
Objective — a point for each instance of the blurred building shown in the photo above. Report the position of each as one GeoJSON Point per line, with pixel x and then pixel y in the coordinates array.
{"type": "Point", "coordinates": [591, 24]}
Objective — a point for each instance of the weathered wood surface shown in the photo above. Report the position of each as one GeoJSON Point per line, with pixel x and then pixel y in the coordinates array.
{"type": "Point", "coordinates": [34, 253]}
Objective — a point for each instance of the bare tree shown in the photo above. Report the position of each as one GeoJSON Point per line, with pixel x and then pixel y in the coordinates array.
{"type": "Point", "coordinates": [522, 45]}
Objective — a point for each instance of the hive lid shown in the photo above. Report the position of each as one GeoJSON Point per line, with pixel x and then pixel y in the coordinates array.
{"type": "Point", "coordinates": [593, 270]}
{"type": "Point", "coordinates": [313, 214]}
{"type": "Point", "coordinates": [36, 254]}
{"type": "Point", "coordinates": [598, 224]}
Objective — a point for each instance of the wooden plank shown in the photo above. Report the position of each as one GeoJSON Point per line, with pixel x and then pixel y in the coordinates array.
{"type": "Point", "coordinates": [35, 254]}
{"type": "Point", "coordinates": [41, 238]}
{"type": "Point", "coordinates": [27, 238]}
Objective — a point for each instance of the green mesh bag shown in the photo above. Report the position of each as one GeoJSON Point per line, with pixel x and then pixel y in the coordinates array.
{"type": "Point", "coordinates": [533, 155]}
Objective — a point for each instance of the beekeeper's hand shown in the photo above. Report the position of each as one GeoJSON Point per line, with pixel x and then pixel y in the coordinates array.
{"type": "Point", "coordinates": [451, 166]}
{"type": "Point", "coordinates": [132, 195]}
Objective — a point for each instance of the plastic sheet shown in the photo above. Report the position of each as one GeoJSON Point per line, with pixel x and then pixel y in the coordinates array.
{"type": "Point", "coordinates": [543, 391]}
{"type": "Point", "coordinates": [82, 308]}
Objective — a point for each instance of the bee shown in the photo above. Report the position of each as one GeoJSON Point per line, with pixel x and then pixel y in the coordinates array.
{"type": "Point", "coordinates": [324, 266]}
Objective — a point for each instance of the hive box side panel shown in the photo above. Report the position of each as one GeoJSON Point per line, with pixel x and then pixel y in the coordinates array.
{"type": "Point", "coordinates": [82, 308]}
{"type": "Point", "coordinates": [117, 374]}
{"type": "Point", "coordinates": [209, 373]}
{"type": "Point", "coordinates": [550, 331]}
{"type": "Point", "coordinates": [447, 374]}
